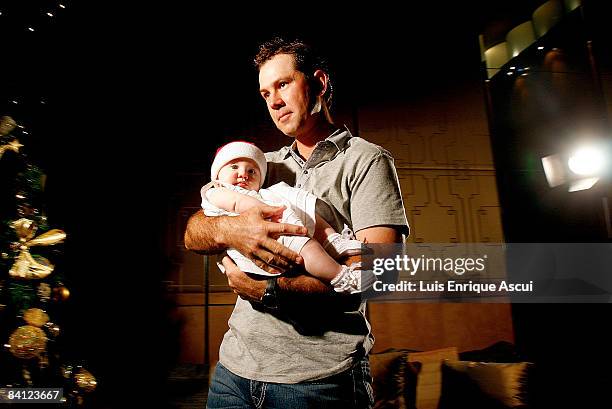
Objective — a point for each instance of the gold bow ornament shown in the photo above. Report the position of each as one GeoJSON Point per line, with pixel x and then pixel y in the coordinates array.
{"type": "Point", "coordinates": [13, 145]}
{"type": "Point", "coordinates": [7, 124]}
{"type": "Point", "coordinates": [26, 266]}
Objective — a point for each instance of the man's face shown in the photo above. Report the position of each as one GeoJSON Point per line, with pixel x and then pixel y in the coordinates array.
{"type": "Point", "coordinates": [285, 90]}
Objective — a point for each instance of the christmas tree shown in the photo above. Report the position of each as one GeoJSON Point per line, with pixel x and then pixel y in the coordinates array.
{"type": "Point", "coordinates": [32, 289]}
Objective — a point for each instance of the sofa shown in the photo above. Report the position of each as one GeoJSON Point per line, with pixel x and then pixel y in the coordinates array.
{"type": "Point", "coordinates": [493, 377]}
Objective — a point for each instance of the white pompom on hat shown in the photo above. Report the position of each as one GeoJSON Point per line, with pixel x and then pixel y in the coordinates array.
{"type": "Point", "coordinates": [235, 150]}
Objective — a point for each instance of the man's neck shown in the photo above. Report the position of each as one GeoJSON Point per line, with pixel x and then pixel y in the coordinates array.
{"type": "Point", "coordinates": [306, 143]}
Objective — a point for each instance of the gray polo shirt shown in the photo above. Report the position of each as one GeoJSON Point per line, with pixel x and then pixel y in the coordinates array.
{"type": "Point", "coordinates": [358, 186]}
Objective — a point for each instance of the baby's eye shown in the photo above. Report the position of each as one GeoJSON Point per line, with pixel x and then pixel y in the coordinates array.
{"type": "Point", "coordinates": [252, 171]}
{"type": "Point", "coordinates": [234, 167]}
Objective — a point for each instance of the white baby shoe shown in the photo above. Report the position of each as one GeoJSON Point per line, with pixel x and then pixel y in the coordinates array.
{"type": "Point", "coordinates": [353, 279]}
{"type": "Point", "coordinates": [338, 246]}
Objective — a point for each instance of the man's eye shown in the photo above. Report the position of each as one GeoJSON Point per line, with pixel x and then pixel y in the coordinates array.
{"type": "Point", "coordinates": [265, 95]}
{"type": "Point", "coordinates": [282, 84]}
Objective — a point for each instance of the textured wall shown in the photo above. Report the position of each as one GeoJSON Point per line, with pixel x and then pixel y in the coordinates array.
{"type": "Point", "coordinates": [445, 167]}
{"type": "Point", "coordinates": [444, 161]}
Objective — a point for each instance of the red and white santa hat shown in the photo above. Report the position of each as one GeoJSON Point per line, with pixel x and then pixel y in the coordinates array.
{"type": "Point", "coordinates": [235, 150]}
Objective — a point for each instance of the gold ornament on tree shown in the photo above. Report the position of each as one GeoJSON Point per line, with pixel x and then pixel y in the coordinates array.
{"type": "Point", "coordinates": [27, 342]}
{"type": "Point", "coordinates": [7, 124]}
{"type": "Point", "coordinates": [60, 294]}
{"type": "Point", "coordinates": [35, 317]}
{"type": "Point", "coordinates": [26, 266]}
{"type": "Point", "coordinates": [85, 380]}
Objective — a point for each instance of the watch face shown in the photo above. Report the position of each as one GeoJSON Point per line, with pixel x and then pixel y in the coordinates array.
{"type": "Point", "coordinates": [269, 300]}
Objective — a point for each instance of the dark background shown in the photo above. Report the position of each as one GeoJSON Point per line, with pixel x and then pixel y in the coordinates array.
{"type": "Point", "coordinates": [118, 98]}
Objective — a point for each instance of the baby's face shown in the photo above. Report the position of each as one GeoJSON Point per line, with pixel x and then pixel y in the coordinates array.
{"type": "Point", "coordinates": [241, 172]}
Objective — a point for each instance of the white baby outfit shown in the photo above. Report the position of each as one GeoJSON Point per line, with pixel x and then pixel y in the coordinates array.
{"type": "Point", "coordinates": [299, 210]}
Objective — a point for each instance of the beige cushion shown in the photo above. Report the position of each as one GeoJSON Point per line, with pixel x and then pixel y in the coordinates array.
{"type": "Point", "coordinates": [503, 382]}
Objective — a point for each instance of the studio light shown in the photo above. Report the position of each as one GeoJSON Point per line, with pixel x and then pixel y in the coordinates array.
{"type": "Point", "coordinates": [587, 161]}
{"type": "Point", "coordinates": [581, 169]}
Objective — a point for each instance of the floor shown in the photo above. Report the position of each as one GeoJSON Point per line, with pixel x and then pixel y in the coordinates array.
{"type": "Point", "coordinates": [188, 387]}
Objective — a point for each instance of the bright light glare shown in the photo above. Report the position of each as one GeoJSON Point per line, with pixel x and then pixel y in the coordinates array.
{"type": "Point", "coordinates": [587, 161]}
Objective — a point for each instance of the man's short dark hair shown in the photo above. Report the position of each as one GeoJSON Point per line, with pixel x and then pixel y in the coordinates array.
{"type": "Point", "coordinates": [307, 60]}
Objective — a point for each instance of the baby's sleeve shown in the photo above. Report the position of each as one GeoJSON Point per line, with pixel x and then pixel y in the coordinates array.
{"type": "Point", "coordinates": [209, 208]}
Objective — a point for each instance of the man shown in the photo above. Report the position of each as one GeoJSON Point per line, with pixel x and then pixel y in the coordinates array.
{"type": "Point", "coordinates": [292, 342]}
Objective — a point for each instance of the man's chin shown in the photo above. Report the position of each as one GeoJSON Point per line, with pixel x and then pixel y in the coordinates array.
{"type": "Point", "coordinates": [289, 131]}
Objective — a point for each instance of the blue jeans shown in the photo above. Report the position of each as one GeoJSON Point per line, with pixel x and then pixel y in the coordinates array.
{"type": "Point", "coordinates": [349, 389]}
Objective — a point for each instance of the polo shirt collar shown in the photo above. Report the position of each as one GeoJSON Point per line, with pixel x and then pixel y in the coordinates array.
{"type": "Point", "coordinates": [339, 138]}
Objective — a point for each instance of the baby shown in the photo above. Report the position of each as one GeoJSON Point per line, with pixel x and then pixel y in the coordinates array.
{"type": "Point", "coordinates": [237, 173]}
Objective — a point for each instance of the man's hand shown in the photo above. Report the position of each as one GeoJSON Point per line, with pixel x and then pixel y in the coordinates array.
{"type": "Point", "coordinates": [255, 238]}
{"type": "Point", "coordinates": [249, 233]}
{"type": "Point", "coordinates": [247, 287]}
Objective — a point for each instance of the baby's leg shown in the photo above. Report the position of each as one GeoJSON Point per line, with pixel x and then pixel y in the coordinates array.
{"type": "Point", "coordinates": [318, 263]}
{"type": "Point", "coordinates": [344, 279]}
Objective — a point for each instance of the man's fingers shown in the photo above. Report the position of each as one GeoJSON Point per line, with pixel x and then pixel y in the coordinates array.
{"type": "Point", "coordinates": [228, 263]}
{"type": "Point", "coordinates": [267, 267]}
{"type": "Point", "coordinates": [271, 267]}
{"type": "Point", "coordinates": [261, 246]}
{"type": "Point", "coordinates": [283, 254]}
{"type": "Point", "coordinates": [271, 211]}
{"type": "Point", "coordinates": [285, 229]}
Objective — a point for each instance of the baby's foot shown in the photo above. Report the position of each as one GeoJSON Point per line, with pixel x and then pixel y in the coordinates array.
{"type": "Point", "coordinates": [353, 279]}
{"type": "Point", "coordinates": [337, 246]}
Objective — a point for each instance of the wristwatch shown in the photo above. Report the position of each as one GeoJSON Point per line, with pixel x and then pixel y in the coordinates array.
{"type": "Point", "coordinates": [269, 298]}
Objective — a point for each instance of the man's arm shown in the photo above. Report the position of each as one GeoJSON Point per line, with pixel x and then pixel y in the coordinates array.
{"type": "Point", "coordinates": [249, 233]}
{"type": "Point", "coordinates": [379, 235]}
{"type": "Point", "coordinates": [305, 288]}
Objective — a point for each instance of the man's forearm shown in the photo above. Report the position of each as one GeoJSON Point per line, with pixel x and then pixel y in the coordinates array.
{"type": "Point", "coordinates": [205, 234]}
{"type": "Point", "coordinates": [305, 290]}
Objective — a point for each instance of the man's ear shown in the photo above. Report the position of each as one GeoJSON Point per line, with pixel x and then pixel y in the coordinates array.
{"type": "Point", "coordinates": [321, 79]}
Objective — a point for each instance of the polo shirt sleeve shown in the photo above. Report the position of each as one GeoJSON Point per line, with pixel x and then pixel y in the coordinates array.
{"type": "Point", "coordinates": [376, 198]}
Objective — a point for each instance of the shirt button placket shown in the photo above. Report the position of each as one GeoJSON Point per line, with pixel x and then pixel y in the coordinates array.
{"type": "Point", "coordinates": [303, 178]}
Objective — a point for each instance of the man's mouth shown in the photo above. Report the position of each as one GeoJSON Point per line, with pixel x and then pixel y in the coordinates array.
{"type": "Point", "coordinates": [284, 116]}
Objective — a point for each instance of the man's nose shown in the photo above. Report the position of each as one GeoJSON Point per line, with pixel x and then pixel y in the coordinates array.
{"type": "Point", "coordinates": [275, 101]}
